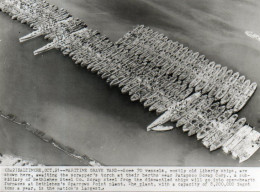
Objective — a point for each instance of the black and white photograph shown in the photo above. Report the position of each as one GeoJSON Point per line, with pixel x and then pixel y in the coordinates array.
{"type": "Point", "coordinates": [130, 83]}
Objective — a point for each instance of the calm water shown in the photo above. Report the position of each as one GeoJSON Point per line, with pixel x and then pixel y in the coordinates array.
{"type": "Point", "coordinates": [80, 110]}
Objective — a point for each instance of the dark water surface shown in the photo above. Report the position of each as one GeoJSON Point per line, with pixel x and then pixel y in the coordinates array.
{"type": "Point", "coordinates": [80, 110]}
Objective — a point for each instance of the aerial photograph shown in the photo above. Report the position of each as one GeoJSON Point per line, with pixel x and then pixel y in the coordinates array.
{"type": "Point", "coordinates": [130, 83]}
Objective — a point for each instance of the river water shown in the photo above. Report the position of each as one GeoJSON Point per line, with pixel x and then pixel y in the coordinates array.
{"type": "Point", "coordinates": [80, 110]}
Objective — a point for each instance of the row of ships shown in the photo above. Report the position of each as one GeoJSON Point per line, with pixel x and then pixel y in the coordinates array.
{"type": "Point", "coordinates": [181, 85]}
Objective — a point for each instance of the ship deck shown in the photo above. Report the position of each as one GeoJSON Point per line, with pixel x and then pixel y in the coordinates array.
{"type": "Point", "coordinates": [78, 109]}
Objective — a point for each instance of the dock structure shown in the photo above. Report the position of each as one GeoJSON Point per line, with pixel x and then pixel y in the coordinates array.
{"type": "Point", "coordinates": [181, 85]}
